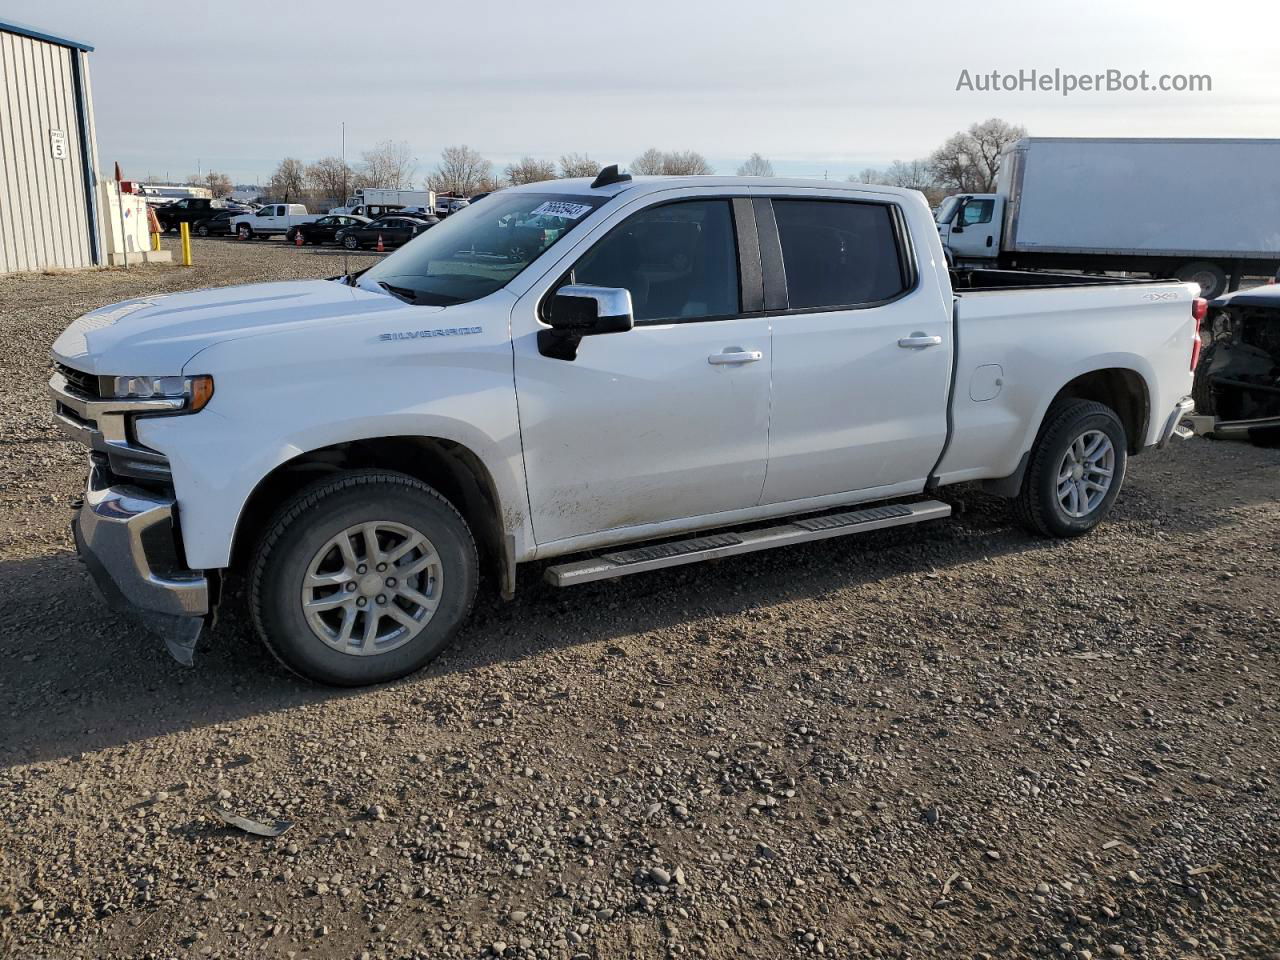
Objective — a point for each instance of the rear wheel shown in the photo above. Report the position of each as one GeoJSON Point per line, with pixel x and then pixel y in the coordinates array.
{"type": "Point", "coordinates": [1211, 277]}
{"type": "Point", "coordinates": [1075, 472]}
{"type": "Point", "coordinates": [363, 579]}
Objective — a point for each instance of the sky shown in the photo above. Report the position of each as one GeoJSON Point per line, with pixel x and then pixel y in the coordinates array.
{"type": "Point", "coordinates": [820, 88]}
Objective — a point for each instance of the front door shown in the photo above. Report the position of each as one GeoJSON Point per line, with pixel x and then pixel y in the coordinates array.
{"type": "Point", "coordinates": [861, 350]}
{"type": "Point", "coordinates": [664, 422]}
{"type": "Point", "coordinates": [975, 231]}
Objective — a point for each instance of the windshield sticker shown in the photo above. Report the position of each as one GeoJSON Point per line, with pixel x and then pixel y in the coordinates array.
{"type": "Point", "coordinates": [561, 208]}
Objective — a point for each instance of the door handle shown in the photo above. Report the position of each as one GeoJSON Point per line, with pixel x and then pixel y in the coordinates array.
{"type": "Point", "coordinates": [918, 339]}
{"type": "Point", "coordinates": [735, 355]}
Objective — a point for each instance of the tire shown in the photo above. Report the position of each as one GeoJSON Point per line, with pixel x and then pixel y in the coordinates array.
{"type": "Point", "coordinates": [1201, 389]}
{"type": "Point", "coordinates": [203, 231]}
{"type": "Point", "coordinates": [244, 232]}
{"type": "Point", "coordinates": [1211, 277]}
{"type": "Point", "coordinates": [1039, 505]}
{"type": "Point", "coordinates": [298, 540]}
{"type": "Point", "coordinates": [350, 242]}
{"type": "Point", "coordinates": [290, 235]}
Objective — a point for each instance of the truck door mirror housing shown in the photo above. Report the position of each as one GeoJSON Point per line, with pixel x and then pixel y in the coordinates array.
{"type": "Point", "coordinates": [578, 310]}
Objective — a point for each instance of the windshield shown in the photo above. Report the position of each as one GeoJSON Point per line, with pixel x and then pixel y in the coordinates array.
{"type": "Point", "coordinates": [480, 248]}
{"type": "Point", "coordinates": [946, 210]}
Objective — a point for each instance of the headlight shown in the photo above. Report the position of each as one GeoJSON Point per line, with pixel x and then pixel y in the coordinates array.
{"type": "Point", "coordinates": [197, 391]}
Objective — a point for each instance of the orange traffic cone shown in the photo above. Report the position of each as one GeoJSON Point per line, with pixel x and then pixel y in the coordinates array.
{"type": "Point", "coordinates": [297, 238]}
{"type": "Point", "coordinates": [381, 248]}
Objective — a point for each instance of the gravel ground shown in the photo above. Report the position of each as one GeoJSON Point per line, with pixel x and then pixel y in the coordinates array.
{"type": "Point", "coordinates": [946, 741]}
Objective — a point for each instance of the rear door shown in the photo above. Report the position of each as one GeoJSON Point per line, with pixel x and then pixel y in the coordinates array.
{"type": "Point", "coordinates": [669, 420]}
{"type": "Point", "coordinates": [861, 348]}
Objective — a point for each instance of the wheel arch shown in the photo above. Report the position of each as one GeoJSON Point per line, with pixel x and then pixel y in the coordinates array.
{"type": "Point", "coordinates": [1122, 389]}
{"type": "Point", "coordinates": [447, 466]}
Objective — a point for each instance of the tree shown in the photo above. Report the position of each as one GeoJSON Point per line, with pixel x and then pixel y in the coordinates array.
{"type": "Point", "coordinates": [289, 180]}
{"type": "Point", "coordinates": [756, 166]}
{"type": "Point", "coordinates": [649, 163]}
{"type": "Point", "coordinates": [461, 172]}
{"type": "Point", "coordinates": [672, 163]}
{"type": "Point", "coordinates": [390, 164]}
{"type": "Point", "coordinates": [529, 170]}
{"type": "Point", "coordinates": [329, 178]}
{"type": "Point", "coordinates": [912, 174]}
{"type": "Point", "coordinates": [578, 165]}
{"type": "Point", "coordinates": [969, 161]}
{"type": "Point", "coordinates": [219, 185]}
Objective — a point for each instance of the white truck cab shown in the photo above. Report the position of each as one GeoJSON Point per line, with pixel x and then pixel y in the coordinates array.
{"type": "Point", "coordinates": [622, 373]}
{"type": "Point", "coordinates": [271, 220]}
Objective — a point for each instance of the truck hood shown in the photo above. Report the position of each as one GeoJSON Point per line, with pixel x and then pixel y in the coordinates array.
{"type": "Point", "coordinates": [158, 334]}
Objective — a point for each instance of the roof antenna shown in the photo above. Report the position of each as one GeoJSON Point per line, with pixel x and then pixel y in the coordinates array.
{"type": "Point", "coordinates": [608, 176]}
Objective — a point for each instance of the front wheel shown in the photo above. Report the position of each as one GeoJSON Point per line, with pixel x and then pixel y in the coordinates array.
{"type": "Point", "coordinates": [1075, 472]}
{"type": "Point", "coordinates": [244, 232]}
{"type": "Point", "coordinates": [363, 578]}
{"type": "Point", "coordinates": [350, 242]}
{"type": "Point", "coordinates": [203, 231]}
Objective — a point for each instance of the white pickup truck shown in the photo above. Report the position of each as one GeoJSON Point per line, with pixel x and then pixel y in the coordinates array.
{"type": "Point", "coordinates": [270, 220]}
{"type": "Point", "coordinates": [624, 374]}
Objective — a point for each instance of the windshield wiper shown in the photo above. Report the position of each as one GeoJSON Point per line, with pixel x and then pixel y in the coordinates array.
{"type": "Point", "coordinates": [403, 293]}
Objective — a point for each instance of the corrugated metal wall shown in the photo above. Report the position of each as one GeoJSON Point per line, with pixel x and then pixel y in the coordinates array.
{"type": "Point", "coordinates": [44, 215]}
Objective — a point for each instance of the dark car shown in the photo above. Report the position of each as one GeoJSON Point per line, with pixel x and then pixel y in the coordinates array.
{"type": "Point", "coordinates": [1237, 385]}
{"type": "Point", "coordinates": [218, 225]}
{"type": "Point", "coordinates": [394, 231]}
{"type": "Point", "coordinates": [187, 210]}
{"type": "Point", "coordinates": [324, 230]}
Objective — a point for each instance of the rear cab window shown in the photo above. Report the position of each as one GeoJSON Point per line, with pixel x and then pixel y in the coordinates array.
{"type": "Point", "coordinates": [840, 253]}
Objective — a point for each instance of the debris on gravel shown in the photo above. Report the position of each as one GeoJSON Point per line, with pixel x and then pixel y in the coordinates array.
{"type": "Point", "coordinates": [949, 741]}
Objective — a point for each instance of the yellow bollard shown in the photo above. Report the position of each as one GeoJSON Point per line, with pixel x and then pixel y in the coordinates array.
{"type": "Point", "coordinates": [185, 230]}
{"type": "Point", "coordinates": [155, 241]}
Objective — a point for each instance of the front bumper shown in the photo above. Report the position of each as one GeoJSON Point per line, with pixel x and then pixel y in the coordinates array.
{"type": "Point", "coordinates": [127, 537]}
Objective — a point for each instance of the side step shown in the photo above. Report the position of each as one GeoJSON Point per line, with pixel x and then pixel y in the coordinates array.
{"type": "Point", "coordinates": [716, 545]}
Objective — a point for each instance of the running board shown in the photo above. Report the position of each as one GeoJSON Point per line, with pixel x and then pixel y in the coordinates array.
{"type": "Point", "coordinates": [716, 545]}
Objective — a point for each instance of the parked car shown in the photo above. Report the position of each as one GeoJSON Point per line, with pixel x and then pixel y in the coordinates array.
{"type": "Point", "coordinates": [394, 231]}
{"type": "Point", "coordinates": [324, 230]}
{"type": "Point", "coordinates": [187, 210]}
{"type": "Point", "coordinates": [218, 225]}
{"type": "Point", "coordinates": [272, 220]}
{"type": "Point", "coordinates": [1237, 389]}
{"type": "Point", "coordinates": [688, 368]}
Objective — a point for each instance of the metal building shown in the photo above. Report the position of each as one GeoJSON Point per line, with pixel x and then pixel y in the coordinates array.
{"type": "Point", "coordinates": [48, 153]}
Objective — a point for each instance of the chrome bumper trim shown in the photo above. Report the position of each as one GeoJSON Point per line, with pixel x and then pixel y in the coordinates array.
{"type": "Point", "coordinates": [100, 425]}
{"type": "Point", "coordinates": [1173, 426]}
{"type": "Point", "coordinates": [109, 530]}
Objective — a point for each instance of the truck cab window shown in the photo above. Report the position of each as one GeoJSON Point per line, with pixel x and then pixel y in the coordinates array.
{"type": "Point", "coordinates": [838, 253]}
{"type": "Point", "coordinates": [978, 211]}
{"type": "Point", "coordinates": [679, 261]}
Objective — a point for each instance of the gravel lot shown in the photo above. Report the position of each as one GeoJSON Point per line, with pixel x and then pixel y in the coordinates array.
{"type": "Point", "coordinates": [946, 741]}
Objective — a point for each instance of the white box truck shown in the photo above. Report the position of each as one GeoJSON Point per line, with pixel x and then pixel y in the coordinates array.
{"type": "Point", "coordinates": [1198, 210]}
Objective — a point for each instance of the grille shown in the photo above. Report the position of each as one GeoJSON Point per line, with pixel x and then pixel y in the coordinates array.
{"type": "Point", "coordinates": [83, 382]}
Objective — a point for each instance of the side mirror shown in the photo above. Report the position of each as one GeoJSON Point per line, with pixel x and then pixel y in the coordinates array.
{"type": "Point", "coordinates": [578, 310]}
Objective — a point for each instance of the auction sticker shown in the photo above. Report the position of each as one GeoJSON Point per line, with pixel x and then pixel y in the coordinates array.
{"type": "Point", "coordinates": [562, 209]}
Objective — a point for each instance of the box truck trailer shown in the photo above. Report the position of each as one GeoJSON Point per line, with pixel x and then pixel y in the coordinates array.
{"type": "Point", "coordinates": [1198, 210]}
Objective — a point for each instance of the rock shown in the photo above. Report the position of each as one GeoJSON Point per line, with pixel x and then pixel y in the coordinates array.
{"type": "Point", "coordinates": [659, 876]}
{"type": "Point", "coordinates": [518, 916]}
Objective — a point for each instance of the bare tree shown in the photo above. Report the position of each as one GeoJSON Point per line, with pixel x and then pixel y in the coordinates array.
{"type": "Point", "coordinates": [969, 161]}
{"type": "Point", "coordinates": [649, 163]}
{"type": "Point", "coordinates": [390, 164]}
{"type": "Point", "coordinates": [673, 163]}
{"type": "Point", "coordinates": [329, 179]}
{"type": "Point", "coordinates": [289, 181]}
{"type": "Point", "coordinates": [219, 185]}
{"type": "Point", "coordinates": [530, 170]}
{"type": "Point", "coordinates": [686, 163]}
{"type": "Point", "coordinates": [866, 175]}
{"type": "Point", "coordinates": [578, 165]}
{"type": "Point", "coordinates": [461, 172]}
{"type": "Point", "coordinates": [912, 174]}
{"type": "Point", "coordinates": [756, 166]}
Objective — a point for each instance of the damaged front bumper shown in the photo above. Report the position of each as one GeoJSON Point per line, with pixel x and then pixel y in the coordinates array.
{"type": "Point", "coordinates": [128, 538]}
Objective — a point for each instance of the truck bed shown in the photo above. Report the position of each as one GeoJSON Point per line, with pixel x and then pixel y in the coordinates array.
{"type": "Point", "coordinates": [981, 279]}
